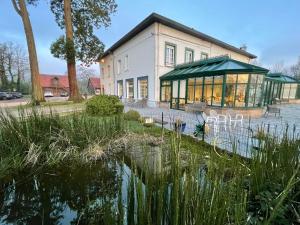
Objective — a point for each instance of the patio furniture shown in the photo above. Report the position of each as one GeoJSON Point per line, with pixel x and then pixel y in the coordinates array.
{"type": "Point", "coordinates": [272, 109]}
{"type": "Point", "coordinates": [221, 119]}
{"type": "Point", "coordinates": [234, 120]}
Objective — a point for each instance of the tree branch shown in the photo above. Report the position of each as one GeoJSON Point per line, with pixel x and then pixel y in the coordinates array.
{"type": "Point", "coordinates": [15, 4]}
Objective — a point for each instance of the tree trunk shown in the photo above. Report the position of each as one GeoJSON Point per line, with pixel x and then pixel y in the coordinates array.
{"type": "Point", "coordinates": [37, 92]}
{"type": "Point", "coordinates": [70, 52]}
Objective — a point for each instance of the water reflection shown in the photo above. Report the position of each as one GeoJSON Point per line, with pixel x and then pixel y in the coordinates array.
{"type": "Point", "coordinates": [65, 195]}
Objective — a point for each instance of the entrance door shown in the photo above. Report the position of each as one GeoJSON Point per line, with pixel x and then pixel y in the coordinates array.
{"type": "Point", "coordinates": [178, 94]}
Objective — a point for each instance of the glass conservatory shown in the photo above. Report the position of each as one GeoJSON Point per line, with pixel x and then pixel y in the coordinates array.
{"type": "Point", "coordinates": [280, 86]}
{"type": "Point", "coordinates": [220, 82]}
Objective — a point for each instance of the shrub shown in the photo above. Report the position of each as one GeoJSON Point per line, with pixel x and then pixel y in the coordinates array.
{"type": "Point", "coordinates": [132, 115]}
{"type": "Point", "coordinates": [104, 105]}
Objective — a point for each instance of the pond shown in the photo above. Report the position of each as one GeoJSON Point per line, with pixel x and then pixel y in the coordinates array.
{"type": "Point", "coordinates": [65, 195]}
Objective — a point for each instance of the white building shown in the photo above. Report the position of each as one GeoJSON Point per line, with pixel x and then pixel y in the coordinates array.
{"type": "Point", "coordinates": [132, 66]}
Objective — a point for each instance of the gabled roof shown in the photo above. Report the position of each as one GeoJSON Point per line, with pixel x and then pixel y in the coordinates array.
{"type": "Point", "coordinates": [154, 17]}
{"type": "Point", "coordinates": [47, 81]}
{"type": "Point", "coordinates": [212, 66]}
{"type": "Point", "coordinates": [280, 77]}
{"type": "Point", "coordinates": [94, 82]}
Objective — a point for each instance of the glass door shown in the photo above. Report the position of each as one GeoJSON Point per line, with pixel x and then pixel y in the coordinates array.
{"type": "Point", "coordinates": [178, 94]}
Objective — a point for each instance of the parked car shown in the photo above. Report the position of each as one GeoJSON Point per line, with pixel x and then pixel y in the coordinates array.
{"type": "Point", "coordinates": [5, 96]}
{"type": "Point", "coordinates": [48, 94]}
{"type": "Point", "coordinates": [16, 94]}
{"type": "Point", "coordinates": [64, 94]}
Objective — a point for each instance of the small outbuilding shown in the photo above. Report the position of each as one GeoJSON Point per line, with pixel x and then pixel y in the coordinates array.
{"type": "Point", "coordinates": [94, 86]}
{"type": "Point", "coordinates": [281, 87]}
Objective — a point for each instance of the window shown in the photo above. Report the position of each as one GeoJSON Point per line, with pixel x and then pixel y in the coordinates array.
{"type": "Point", "coordinates": [189, 55]}
{"type": "Point", "coordinates": [119, 66]}
{"type": "Point", "coordinates": [120, 88]}
{"type": "Point", "coordinates": [165, 91]}
{"type": "Point", "coordinates": [217, 90]}
{"type": "Point", "coordinates": [129, 88]}
{"type": "Point", "coordinates": [108, 70]}
{"type": "Point", "coordinates": [203, 56]}
{"type": "Point", "coordinates": [126, 63]}
{"type": "Point", "coordinates": [198, 89]}
{"type": "Point", "coordinates": [143, 87]}
{"type": "Point", "coordinates": [170, 52]}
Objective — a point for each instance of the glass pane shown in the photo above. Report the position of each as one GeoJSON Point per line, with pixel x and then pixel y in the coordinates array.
{"type": "Point", "coordinates": [175, 89]}
{"type": "Point", "coordinates": [129, 89]}
{"type": "Point", "coordinates": [166, 93]}
{"type": "Point", "coordinates": [198, 93]}
{"type": "Point", "coordinates": [253, 78]}
{"type": "Point", "coordinates": [258, 95]}
{"type": "Point", "coordinates": [120, 89]}
{"type": "Point", "coordinates": [260, 78]}
{"type": "Point", "coordinates": [207, 94]}
{"type": "Point", "coordinates": [229, 94]}
{"type": "Point", "coordinates": [231, 78]}
{"type": "Point", "coordinates": [182, 89]}
{"type": "Point", "coordinates": [243, 78]}
{"type": "Point", "coordinates": [240, 95]}
{"type": "Point", "coordinates": [143, 88]}
{"type": "Point", "coordinates": [166, 83]}
{"type": "Point", "coordinates": [199, 81]}
{"type": "Point", "coordinates": [293, 91]}
{"type": "Point", "coordinates": [286, 91]}
{"type": "Point", "coordinates": [218, 79]}
{"type": "Point", "coordinates": [251, 97]}
{"type": "Point", "coordinates": [191, 90]}
{"type": "Point", "coordinates": [217, 94]}
{"type": "Point", "coordinates": [208, 80]}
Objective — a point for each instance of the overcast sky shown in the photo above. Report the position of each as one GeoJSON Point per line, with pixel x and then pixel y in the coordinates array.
{"type": "Point", "coordinates": [270, 28]}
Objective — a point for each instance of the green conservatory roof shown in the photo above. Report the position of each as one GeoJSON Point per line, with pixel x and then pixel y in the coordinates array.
{"type": "Point", "coordinates": [211, 66]}
{"type": "Point", "coordinates": [280, 77]}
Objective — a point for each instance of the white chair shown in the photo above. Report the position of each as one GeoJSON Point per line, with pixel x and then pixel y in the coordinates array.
{"type": "Point", "coordinates": [234, 120]}
{"type": "Point", "coordinates": [211, 120]}
{"type": "Point", "coordinates": [221, 119]}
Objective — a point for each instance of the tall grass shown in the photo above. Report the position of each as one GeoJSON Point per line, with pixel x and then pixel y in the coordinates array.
{"type": "Point", "coordinates": [31, 139]}
{"type": "Point", "coordinates": [222, 190]}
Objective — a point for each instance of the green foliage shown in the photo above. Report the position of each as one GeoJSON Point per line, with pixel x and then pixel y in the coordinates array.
{"type": "Point", "coordinates": [86, 15]}
{"type": "Point", "coordinates": [132, 115]}
{"type": "Point", "coordinates": [104, 105]}
{"type": "Point", "coordinates": [37, 139]}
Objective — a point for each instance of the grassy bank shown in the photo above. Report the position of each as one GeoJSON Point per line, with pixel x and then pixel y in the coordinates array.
{"type": "Point", "coordinates": [36, 139]}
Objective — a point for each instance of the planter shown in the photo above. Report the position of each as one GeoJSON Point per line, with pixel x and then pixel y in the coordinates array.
{"type": "Point", "coordinates": [147, 121]}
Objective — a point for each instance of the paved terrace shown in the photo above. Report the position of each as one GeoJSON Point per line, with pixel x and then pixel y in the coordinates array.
{"type": "Point", "coordinates": [240, 138]}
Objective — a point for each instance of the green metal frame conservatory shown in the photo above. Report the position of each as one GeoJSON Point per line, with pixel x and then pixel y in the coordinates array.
{"type": "Point", "coordinates": [220, 82]}
{"type": "Point", "coordinates": [280, 86]}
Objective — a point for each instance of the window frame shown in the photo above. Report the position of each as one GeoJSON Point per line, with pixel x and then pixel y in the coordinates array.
{"type": "Point", "coordinates": [138, 90]}
{"type": "Point", "coordinates": [126, 83]}
{"type": "Point", "coordinates": [185, 56]}
{"type": "Point", "coordinates": [203, 53]}
{"type": "Point", "coordinates": [175, 52]}
{"type": "Point", "coordinates": [120, 82]}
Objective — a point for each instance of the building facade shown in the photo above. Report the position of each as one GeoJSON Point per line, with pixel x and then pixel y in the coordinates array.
{"type": "Point", "coordinates": [132, 67]}
{"type": "Point", "coordinates": [54, 85]}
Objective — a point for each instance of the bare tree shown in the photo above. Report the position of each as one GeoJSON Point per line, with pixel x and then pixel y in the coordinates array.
{"type": "Point", "coordinates": [21, 8]}
{"type": "Point", "coordinates": [13, 65]}
{"type": "Point", "coordinates": [84, 73]}
{"type": "Point", "coordinates": [295, 69]}
{"type": "Point", "coordinates": [279, 67]}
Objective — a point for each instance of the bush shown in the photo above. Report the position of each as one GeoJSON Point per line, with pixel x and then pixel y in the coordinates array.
{"type": "Point", "coordinates": [104, 105]}
{"type": "Point", "coordinates": [132, 115]}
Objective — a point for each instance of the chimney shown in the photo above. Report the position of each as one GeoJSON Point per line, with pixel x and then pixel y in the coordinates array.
{"type": "Point", "coordinates": [244, 47]}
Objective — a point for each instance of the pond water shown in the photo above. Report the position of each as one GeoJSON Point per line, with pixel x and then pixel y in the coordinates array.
{"type": "Point", "coordinates": [67, 195]}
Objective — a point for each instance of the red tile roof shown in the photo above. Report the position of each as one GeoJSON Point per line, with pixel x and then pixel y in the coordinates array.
{"type": "Point", "coordinates": [47, 81]}
{"type": "Point", "coordinates": [95, 82]}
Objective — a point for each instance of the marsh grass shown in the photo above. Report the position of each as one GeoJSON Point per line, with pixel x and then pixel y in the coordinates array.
{"type": "Point", "coordinates": [31, 139]}
{"type": "Point", "coordinates": [224, 190]}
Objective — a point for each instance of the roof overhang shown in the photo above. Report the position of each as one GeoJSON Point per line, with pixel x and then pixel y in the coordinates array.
{"type": "Point", "coordinates": [154, 17]}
